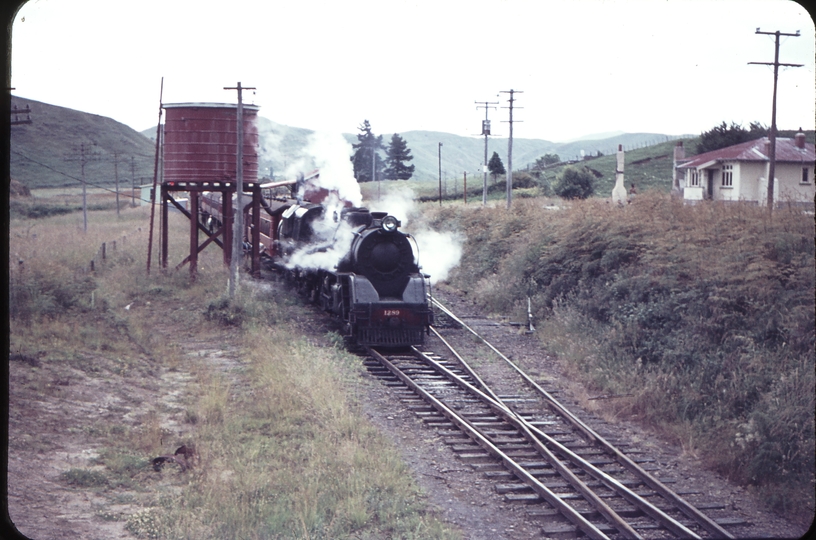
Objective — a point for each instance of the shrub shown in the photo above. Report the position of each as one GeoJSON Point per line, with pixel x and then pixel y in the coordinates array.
{"type": "Point", "coordinates": [84, 478]}
{"type": "Point", "coordinates": [574, 183]}
{"type": "Point", "coordinates": [225, 312]}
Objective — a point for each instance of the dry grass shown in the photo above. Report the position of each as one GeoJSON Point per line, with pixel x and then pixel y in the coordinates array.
{"type": "Point", "coordinates": [285, 454]}
{"type": "Point", "coordinates": [296, 460]}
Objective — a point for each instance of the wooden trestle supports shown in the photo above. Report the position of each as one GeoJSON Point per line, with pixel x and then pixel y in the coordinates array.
{"type": "Point", "coordinates": [227, 189]}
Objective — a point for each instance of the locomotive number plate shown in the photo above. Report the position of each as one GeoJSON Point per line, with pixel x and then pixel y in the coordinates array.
{"type": "Point", "coordinates": [391, 313]}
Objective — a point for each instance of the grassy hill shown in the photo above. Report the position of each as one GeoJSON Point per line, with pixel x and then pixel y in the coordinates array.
{"type": "Point", "coordinates": [650, 167]}
{"type": "Point", "coordinates": [46, 152]}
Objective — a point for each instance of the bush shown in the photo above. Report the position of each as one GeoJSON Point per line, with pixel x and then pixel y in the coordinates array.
{"type": "Point", "coordinates": [225, 312]}
{"type": "Point", "coordinates": [574, 183]}
{"type": "Point", "coordinates": [84, 478]}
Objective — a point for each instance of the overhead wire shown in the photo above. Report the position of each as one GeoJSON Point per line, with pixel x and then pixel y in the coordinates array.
{"type": "Point", "coordinates": [92, 184]}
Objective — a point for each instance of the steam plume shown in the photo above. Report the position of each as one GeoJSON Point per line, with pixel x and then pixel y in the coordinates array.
{"type": "Point", "coordinates": [439, 252]}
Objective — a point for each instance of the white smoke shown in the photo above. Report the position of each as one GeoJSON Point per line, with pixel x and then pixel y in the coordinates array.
{"type": "Point", "coordinates": [439, 252]}
{"type": "Point", "coordinates": [326, 254]}
{"type": "Point", "coordinates": [329, 152]}
{"type": "Point", "coordinates": [398, 202]}
{"type": "Point", "coordinates": [332, 238]}
{"type": "Point", "coordinates": [270, 142]}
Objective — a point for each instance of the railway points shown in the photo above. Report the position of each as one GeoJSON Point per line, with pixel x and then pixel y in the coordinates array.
{"type": "Point", "coordinates": [574, 480]}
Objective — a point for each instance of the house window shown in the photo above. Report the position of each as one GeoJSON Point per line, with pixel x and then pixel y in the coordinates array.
{"type": "Point", "coordinates": [727, 176]}
{"type": "Point", "coordinates": [694, 179]}
{"type": "Point", "coordinates": [805, 175]}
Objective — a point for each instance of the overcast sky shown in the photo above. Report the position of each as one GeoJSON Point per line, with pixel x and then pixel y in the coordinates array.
{"type": "Point", "coordinates": [584, 66]}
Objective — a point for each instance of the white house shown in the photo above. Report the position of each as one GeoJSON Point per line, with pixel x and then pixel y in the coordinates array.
{"type": "Point", "coordinates": [740, 173]}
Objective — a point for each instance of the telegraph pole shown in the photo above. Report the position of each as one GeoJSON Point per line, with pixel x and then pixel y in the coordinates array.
{"type": "Point", "coordinates": [84, 190]}
{"type": "Point", "coordinates": [440, 174]}
{"type": "Point", "coordinates": [132, 183]}
{"type": "Point", "coordinates": [116, 176]}
{"type": "Point", "coordinates": [83, 158]}
{"type": "Point", "coordinates": [510, 147]}
{"type": "Point", "coordinates": [772, 134]}
{"type": "Point", "coordinates": [485, 132]}
{"type": "Point", "coordinates": [238, 228]}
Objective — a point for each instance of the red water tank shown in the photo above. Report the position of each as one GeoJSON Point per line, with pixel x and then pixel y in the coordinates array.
{"type": "Point", "coordinates": [201, 142]}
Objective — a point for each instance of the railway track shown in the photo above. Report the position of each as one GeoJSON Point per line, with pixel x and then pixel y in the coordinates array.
{"type": "Point", "coordinates": [538, 452]}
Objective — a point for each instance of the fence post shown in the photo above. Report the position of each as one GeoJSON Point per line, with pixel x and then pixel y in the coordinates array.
{"type": "Point", "coordinates": [104, 254]}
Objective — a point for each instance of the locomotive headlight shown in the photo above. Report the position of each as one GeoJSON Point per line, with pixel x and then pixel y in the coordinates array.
{"type": "Point", "coordinates": [390, 223]}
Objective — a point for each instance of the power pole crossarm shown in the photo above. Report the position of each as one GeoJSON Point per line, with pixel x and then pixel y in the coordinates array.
{"type": "Point", "coordinates": [772, 133]}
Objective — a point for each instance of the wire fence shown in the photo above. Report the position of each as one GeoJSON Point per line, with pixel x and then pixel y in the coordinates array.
{"type": "Point", "coordinates": [100, 258]}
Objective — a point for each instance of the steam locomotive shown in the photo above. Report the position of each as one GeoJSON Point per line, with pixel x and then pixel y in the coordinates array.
{"type": "Point", "coordinates": [355, 264]}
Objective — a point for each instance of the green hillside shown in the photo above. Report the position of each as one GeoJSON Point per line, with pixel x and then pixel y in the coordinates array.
{"type": "Point", "coordinates": [650, 167]}
{"type": "Point", "coordinates": [47, 151]}
{"type": "Point", "coordinates": [466, 154]}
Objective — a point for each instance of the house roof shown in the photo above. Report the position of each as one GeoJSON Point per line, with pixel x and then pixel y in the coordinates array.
{"type": "Point", "coordinates": [756, 150]}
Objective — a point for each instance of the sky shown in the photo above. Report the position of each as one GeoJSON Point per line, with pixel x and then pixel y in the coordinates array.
{"type": "Point", "coordinates": [580, 67]}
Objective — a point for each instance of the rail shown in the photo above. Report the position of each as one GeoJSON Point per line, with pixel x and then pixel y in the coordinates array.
{"type": "Point", "coordinates": [684, 506]}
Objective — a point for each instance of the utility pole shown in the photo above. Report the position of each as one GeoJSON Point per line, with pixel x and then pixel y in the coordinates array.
{"type": "Point", "coordinates": [772, 134]}
{"type": "Point", "coordinates": [116, 176]}
{"type": "Point", "coordinates": [84, 190]}
{"type": "Point", "coordinates": [83, 158]}
{"type": "Point", "coordinates": [238, 228]}
{"type": "Point", "coordinates": [155, 179]}
{"type": "Point", "coordinates": [510, 147]}
{"type": "Point", "coordinates": [485, 132]}
{"type": "Point", "coordinates": [440, 174]}
{"type": "Point", "coordinates": [132, 183]}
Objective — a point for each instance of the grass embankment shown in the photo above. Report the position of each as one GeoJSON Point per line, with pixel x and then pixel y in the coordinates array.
{"type": "Point", "coordinates": [284, 451]}
{"type": "Point", "coordinates": [700, 317]}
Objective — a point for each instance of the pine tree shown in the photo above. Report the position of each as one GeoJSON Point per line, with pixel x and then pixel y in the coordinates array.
{"type": "Point", "coordinates": [396, 155]}
{"type": "Point", "coordinates": [364, 151]}
{"type": "Point", "coordinates": [495, 166]}
{"type": "Point", "coordinates": [724, 135]}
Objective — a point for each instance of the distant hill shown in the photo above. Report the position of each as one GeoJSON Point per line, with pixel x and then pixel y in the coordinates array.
{"type": "Point", "coordinates": [282, 145]}
{"type": "Point", "coordinates": [47, 151]}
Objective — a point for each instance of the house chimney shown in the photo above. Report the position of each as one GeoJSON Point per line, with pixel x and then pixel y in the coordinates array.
{"type": "Point", "coordinates": [800, 139]}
